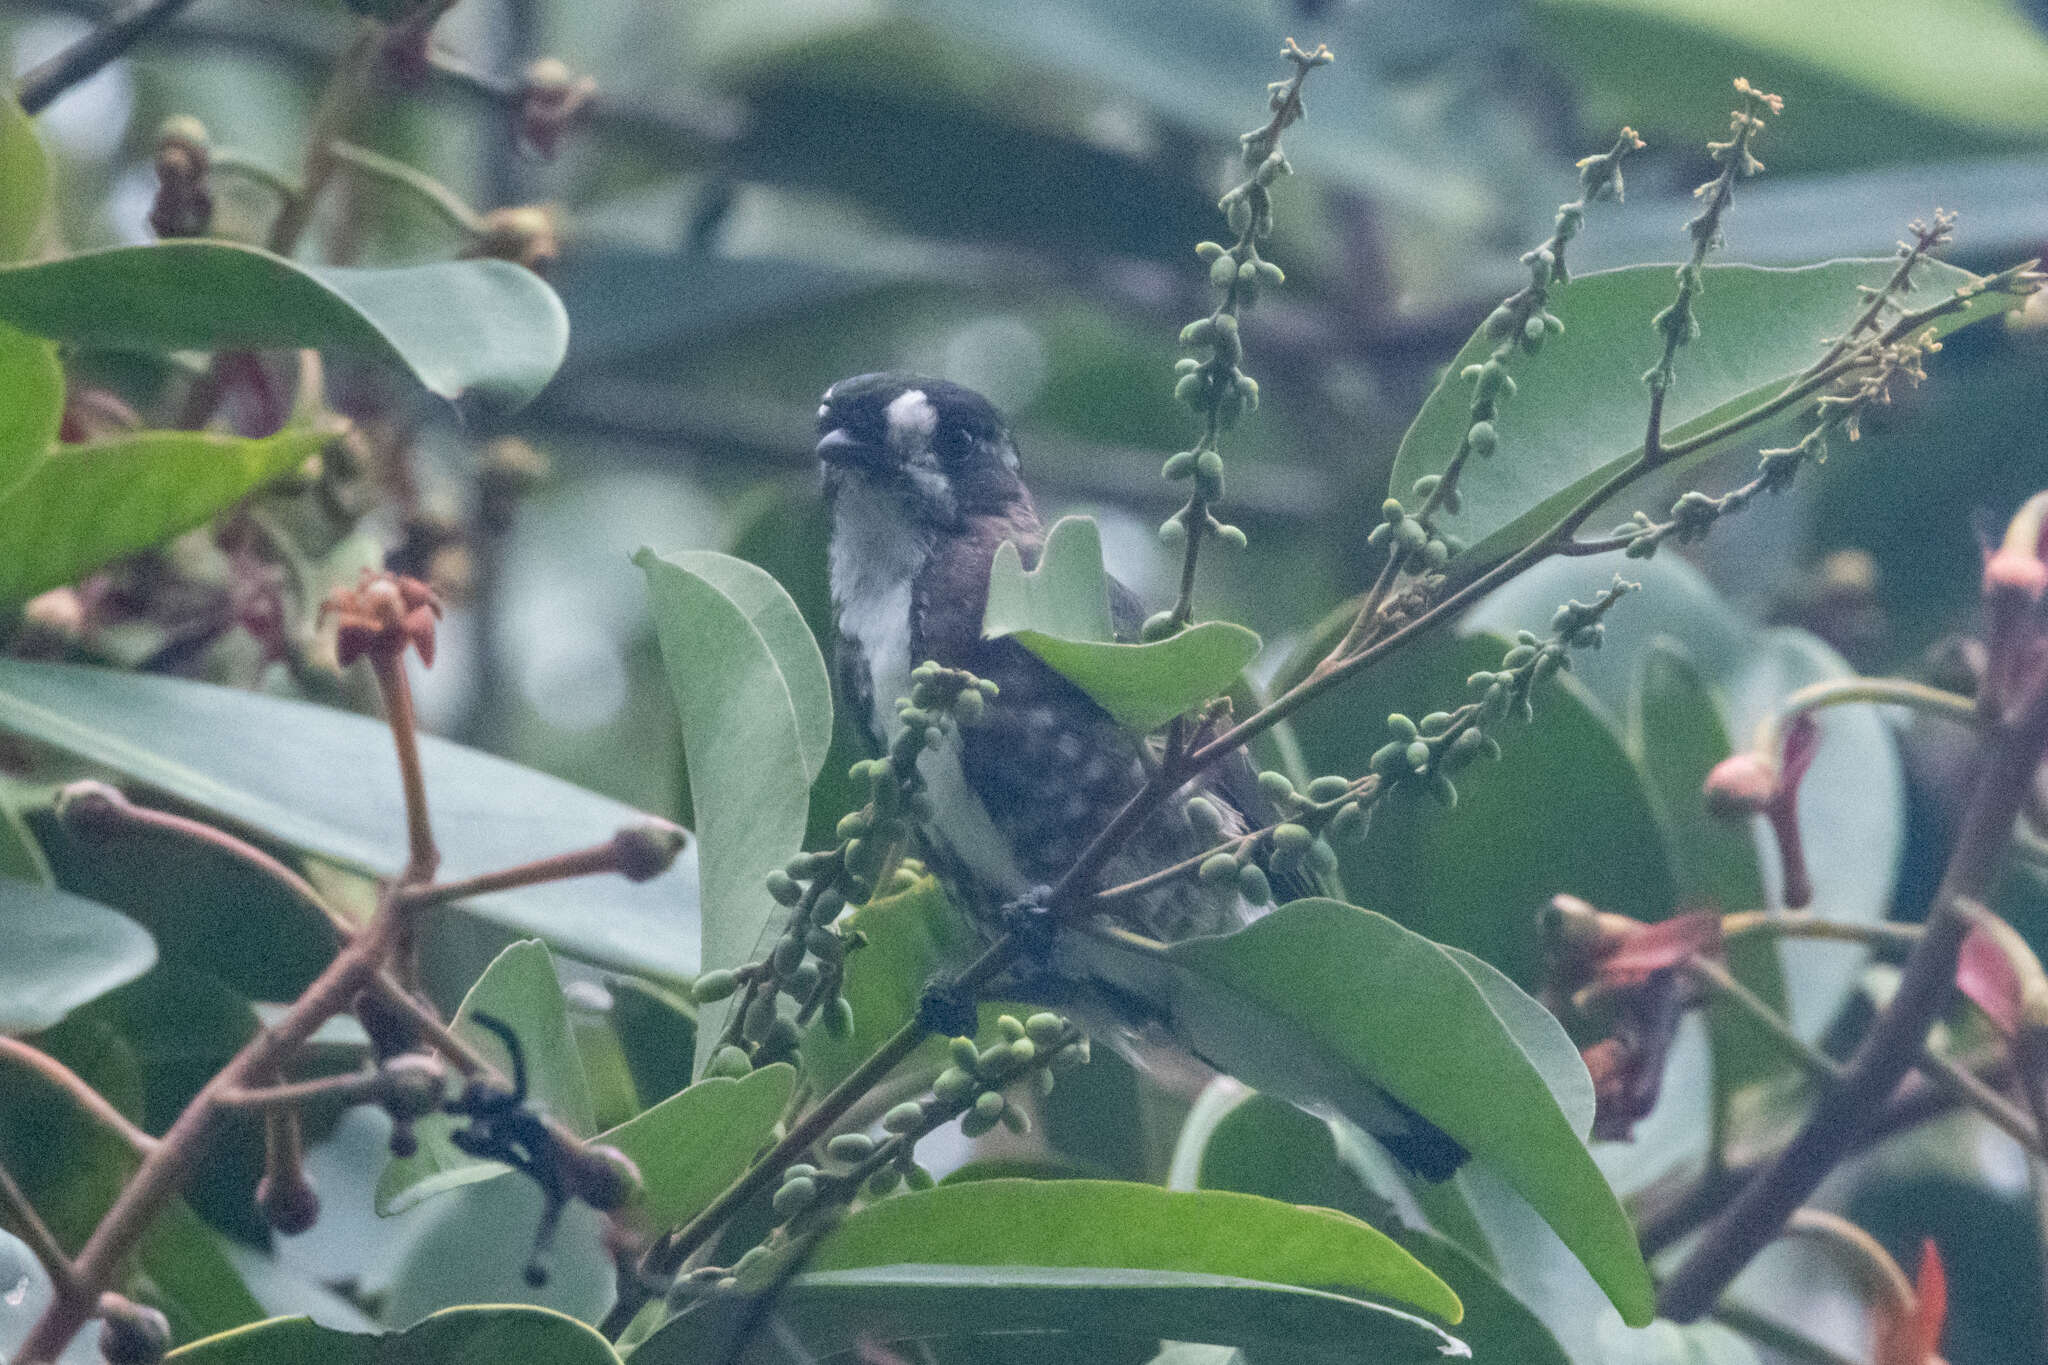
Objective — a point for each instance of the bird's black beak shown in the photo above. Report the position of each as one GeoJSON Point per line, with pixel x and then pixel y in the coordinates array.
{"type": "Point", "coordinates": [841, 447]}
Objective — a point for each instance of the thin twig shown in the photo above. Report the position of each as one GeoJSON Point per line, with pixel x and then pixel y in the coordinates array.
{"type": "Point", "coordinates": [113, 36]}
{"type": "Point", "coordinates": [352, 1086]}
{"type": "Point", "coordinates": [36, 1233]}
{"type": "Point", "coordinates": [582, 862]}
{"type": "Point", "coordinates": [1718, 979]}
{"type": "Point", "coordinates": [1803, 924]}
{"type": "Point", "coordinates": [98, 1106]}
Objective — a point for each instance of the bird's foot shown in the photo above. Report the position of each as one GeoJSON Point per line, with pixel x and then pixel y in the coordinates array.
{"type": "Point", "coordinates": [1029, 920]}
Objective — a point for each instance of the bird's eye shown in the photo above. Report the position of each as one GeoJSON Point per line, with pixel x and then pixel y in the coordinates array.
{"type": "Point", "coordinates": [952, 441]}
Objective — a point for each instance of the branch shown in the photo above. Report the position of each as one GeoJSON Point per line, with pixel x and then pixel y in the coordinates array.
{"type": "Point", "coordinates": [98, 1106]}
{"type": "Point", "coordinates": [37, 1234]}
{"type": "Point", "coordinates": [2009, 754]}
{"type": "Point", "coordinates": [115, 35]}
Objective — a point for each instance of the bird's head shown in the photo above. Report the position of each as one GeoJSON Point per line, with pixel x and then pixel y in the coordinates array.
{"type": "Point", "coordinates": [933, 451]}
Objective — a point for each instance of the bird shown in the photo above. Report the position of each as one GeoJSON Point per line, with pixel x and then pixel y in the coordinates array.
{"type": "Point", "coordinates": [923, 480]}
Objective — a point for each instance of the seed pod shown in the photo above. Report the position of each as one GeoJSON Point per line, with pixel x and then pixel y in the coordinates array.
{"type": "Point", "coordinates": [1275, 786]}
{"type": "Point", "coordinates": [1022, 1052]}
{"type": "Point", "coordinates": [1349, 821]}
{"type": "Point", "coordinates": [965, 1055]}
{"type": "Point", "coordinates": [825, 945]}
{"type": "Point", "coordinates": [132, 1333]}
{"type": "Point", "coordinates": [730, 1061]}
{"type": "Point", "coordinates": [412, 1085]}
{"type": "Point", "coordinates": [954, 1086]}
{"type": "Point", "coordinates": [1222, 272]}
{"type": "Point", "coordinates": [1045, 1028]}
{"type": "Point", "coordinates": [789, 951]}
{"type": "Point", "coordinates": [1252, 884]}
{"type": "Point", "coordinates": [1401, 727]}
{"type": "Point", "coordinates": [839, 1018]}
{"type": "Point", "coordinates": [759, 1018]}
{"type": "Point", "coordinates": [1291, 838]}
{"type": "Point", "coordinates": [290, 1205]}
{"type": "Point", "coordinates": [1389, 758]}
{"type": "Point", "coordinates": [1216, 869]}
{"type": "Point", "coordinates": [1208, 251]}
{"type": "Point", "coordinates": [904, 1118]}
{"type": "Point", "coordinates": [1015, 1119]}
{"type": "Point", "coordinates": [1203, 815]}
{"type": "Point", "coordinates": [1328, 787]}
{"type": "Point", "coordinates": [1010, 1026]}
{"type": "Point", "coordinates": [794, 1197]}
{"type": "Point", "coordinates": [1481, 438]}
{"type": "Point", "coordinates": [1417, 754]}
{"type": "Point", "coordinates": [1180, 465]}
{"type": "Point", "coordinates": [1435, 723]}
{"type": "Point", "coordinates": [783, 888]}
{"type": "Point", "coordinates": [1322, 858]}
{"type": "Point", "coordinates": [850, 1147]}
{"type": "Point", "coordinates": [973, 1125]}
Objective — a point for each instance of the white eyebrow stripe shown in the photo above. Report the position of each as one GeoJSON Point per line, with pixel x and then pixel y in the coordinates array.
{"type": "Point", "coordinates": [911, 413]}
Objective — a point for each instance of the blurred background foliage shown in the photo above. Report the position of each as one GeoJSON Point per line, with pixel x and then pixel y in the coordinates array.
{"type": "Point", "coordinates": [773, 194]}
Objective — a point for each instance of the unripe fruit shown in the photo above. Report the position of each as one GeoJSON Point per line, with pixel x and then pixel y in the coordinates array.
{"type": "Point", "coordinates": [290, 1205]}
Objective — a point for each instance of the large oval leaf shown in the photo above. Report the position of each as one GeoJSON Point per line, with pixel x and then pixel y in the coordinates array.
{"type": "Point", "coordinates": [86, 505]}
{"type": "Point", "coordinates": [1113, 1224]}
{"type": "Point", "coordinates": [1320, 1000]}
{"type": "Point", "coordinates": [455, 1336]}
{"type": "Point", "coordinates": [518, 989]}
{"type": "Point", "coordinates": [326, 781]}
{"type": "Point", "coordinates": [487, 327]}
{"type": "Point", "coordinates": [694, 1143]}
{"type": "Point", "coordinates": [31, 403]}
{"type": "Point", "coordinates": [1476, 875]}
{"type": "Point", "coordinates": [62, 950]}
{"type": "Point", "coordinates": [1892, 83]}
{"type": "Point", "coordinates": [1059, 610]}
{"type": "Point", "coordinates": [24, 181]}
{"type": "Point", "coordinates": [1256, 1144]}
{"type": "Point", "coordinates": [756, 707]}
{"type": "Point", "coordinates": [837, 1311]}
{"type": "Point", "coordinates": [1579, 411]}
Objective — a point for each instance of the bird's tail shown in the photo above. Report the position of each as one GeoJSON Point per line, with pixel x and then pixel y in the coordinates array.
{"type": "Point", "coordinates": [1131, 1001]}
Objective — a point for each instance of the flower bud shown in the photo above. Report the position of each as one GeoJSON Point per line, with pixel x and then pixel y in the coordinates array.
{"type": "Point", "coordinates": [131, 1333]}
{"type": "Point", "coordinates": [644, 851]}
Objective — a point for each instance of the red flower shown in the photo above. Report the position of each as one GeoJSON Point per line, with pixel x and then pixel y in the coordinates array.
{"type": "Point", "coordinates": [1752, 784]}
{"type": "Point", "coordinates": [1913, 1337]}
{"type": "Point", "coordinates": [379, 617]}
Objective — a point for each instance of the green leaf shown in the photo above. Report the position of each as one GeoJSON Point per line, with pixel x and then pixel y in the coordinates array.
{"type": "Point", "coordinates": [277, 766]}
{"type": "Point", "coordinates": [31, 403]}
{"type": "Point", "coordinates": [830, 1312]}
{"type": "Point", "coordinates": [1113, 1224]}
{"type": "Point", "coordinates": [1578, 414]}
{"type": "Point", "coordinates": [24, 182]}
{"type": "Point", "coordinates": [1676, 732]}
{"type": "Point", "coordinates": [911, 937]}
{"type": "Point", "coordinates": [756, 707]}
{"type": "Point", "coordinates": [87, 505]}
{"type": "Point", "coordinates": [658, 1032]}
{"type": "Point", "coordinates": [1856, 774]}
{"type": "Point", "coordinates": [203, 906]}
{"type": "Point", "coordinates": [1863, 84]}
{"type": "Point", "coordinates": [1475, 875]}
{"type": "Point", "coordinates": [456, 1336]}
{"type": "Point", "coordinates": [1324, 1002]}
{"type": "Point", "coordinates": [487, 327]}
{"type": "Point", "coordinates": [518, 988]}
{"type": "Point", "coordinates": [1060, 612]}
{"type": "Point", "coordinates": [695, 1143]}
{"type": "Point", "coordinates": [1257, 1145]}
{"type": "Point", "coordinates": [62, 950]}
{"type": "Point", "coordinates": [1065, 595]}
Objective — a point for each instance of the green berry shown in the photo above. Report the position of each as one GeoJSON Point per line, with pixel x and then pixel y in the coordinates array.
{"type": "Point", "coordinates": [1292, 838]}
{"type": "Point", "coordinates": [713, 986]}
{"type": "Point", "coordinates": [850, 1147]}
{"type": "Point", "coordinates": [906, 1117]}
{"type": "Point", "coordinates": [1045, 1028]}
{"type": "Point", "coordinates": [1216, 869]}
{"type": "Point", "coordinates": [1275, 786]}
{"type": "Point", "coordinates": [1203, 815]}
{"type": "Point", "coordinates": [839, 1018]}
{"type": "Point", "coordinates": [794, 1197]}
{"type": "Point", "coordinates": [1180, 465]}
{"type": "Point", "coordinates": [729, 1061]}
{"type": "Point", "coordinates": [1252, 884]}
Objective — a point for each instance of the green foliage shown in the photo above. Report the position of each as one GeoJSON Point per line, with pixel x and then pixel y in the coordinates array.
{"type": "Point", "coordinates": [1059, 610]}
{"type": "Point", "coordinates": [458, 327]}
{"type": "Point", "coordinates": [62, 951]}
{"type": "Point", "coordinates": [87, 505]}
{"type": "Point", "coordinates": [756, 708]}
{"type": "Point", "coordinates": [1573, 423]}
{"type": "Point", "coordinates": [518, 989]}
{"type": "Point", "coordinates": [833, 1311]}
{"type": "Point", "coordinates": [24, 181]}
{"type": "Point", "coordinates": [1111, 1224]}
{"type": "Point", "coordinates": [1323, 1000]}
{"type": "Point", "coordinates": [694, 1143]}
{"type": "Point", "coordinates": [455, 1336]}
{"type": "Point", "coordinates": [273, 765]}
{"type": "Point", "coordinates": [31, 405]}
